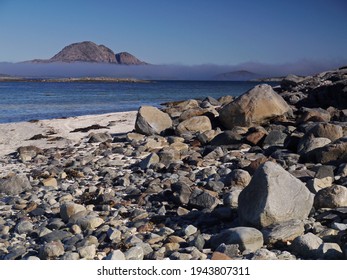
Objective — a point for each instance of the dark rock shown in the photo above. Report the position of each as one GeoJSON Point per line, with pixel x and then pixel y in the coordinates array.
{"type": "Point", "coordinates": [227, 137]}
{"type": "Point", "coordinates": [333, 153]}
{"type": "Point", "coordinates": [272, 197]}
{"type": "Point", "coordinates": [56, 235]}
{"type": "Point", "coordinates": [307, 246]}
{"type": "Point", "coordinates": [150, 160]}
{"type": "Point", "coordinates": [203, 199]}
{"type": "Point", "coordinates": [275, 138]}
{"type": "Point", "coordinates": [291, 81]}
{"type": "Point", "coordinates": [314, 115]}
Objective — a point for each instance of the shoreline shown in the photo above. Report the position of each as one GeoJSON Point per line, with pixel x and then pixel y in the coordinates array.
{"type": "Point", "coordinates": [58, 132]}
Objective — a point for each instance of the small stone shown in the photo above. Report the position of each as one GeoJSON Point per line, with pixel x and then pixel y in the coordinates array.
{"type": "Point", "coordinates": [246, 237]}
{"type": "Point", "coordinates": [203, 199]}
{"type": "Point", "coordinates": [231, 199]}
{"type": "Point", "coordinates": [69, 208]}
{"type": "Point", "coordinates": [52, 250]}
{"type": "Point", "coordinates": [307, 245]}
{"type": "Point", "coordinates": [71, 256]}
{"type": "Point", "coordinates": [220, 256]}
{"type": "Point", "coordinates": [116, 255]}
{"type": "Point", "coordinates": [172, 246]}
{"type": "Point", "coordinates": [87, 252]}
{"type": "Point", "coordinates": [284, 232]}
{"type": "Point", "coordinates": [190, 230]}
{"type": "Point", "coordinates": [51, 183]}
{"type": "Point", "coordinates": [150, 160]}
{"type": "Point", "coordinates": [24, 227]}
{"type": "Point", "coordinates": [231, 250]}
{"type": "Point", "coordinates": [330, 251]}
{"type": "Point", "coordinates": [114, 235]}
{"type": "Point", "coordinates": [264, 254]}
{"type": "Point", "coordinates": [134, 253]}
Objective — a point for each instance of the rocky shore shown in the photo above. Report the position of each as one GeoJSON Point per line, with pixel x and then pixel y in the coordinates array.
{"type": "Point", "coordinates": [262, 176]}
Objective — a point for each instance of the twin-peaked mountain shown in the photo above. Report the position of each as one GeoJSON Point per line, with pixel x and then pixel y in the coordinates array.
{"type": "Point", "coordinates": [90, 52]}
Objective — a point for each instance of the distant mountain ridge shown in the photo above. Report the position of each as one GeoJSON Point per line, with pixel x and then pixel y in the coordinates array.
{"type": "Point", "coordinates": [241, 75]}
{"type": "Point", "coordinates": [90, 52]}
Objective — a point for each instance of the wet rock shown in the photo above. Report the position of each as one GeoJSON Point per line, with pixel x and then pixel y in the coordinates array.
{"type": "Point", "coordinates": [14, 185]}
{"type": "Point", "coordinates": [247, 238]}
{"type": "Point", "coordinates": [254, 107]}
{"type": "Point", "coordinates": [151, 120]}
{"type": "Point", "coordinates": [273, 197]}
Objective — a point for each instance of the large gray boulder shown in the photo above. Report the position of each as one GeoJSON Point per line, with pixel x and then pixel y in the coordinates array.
{"type": "Point", "coordinates": [273, 196]}
{"type": "Point", "coordinates": [151, 120]}
{"type": "Point", "coordinates": [254, 107]}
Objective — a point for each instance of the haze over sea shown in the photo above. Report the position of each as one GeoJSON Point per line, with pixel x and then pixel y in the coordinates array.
{"type": "Point", "coordinates": [24, 101]}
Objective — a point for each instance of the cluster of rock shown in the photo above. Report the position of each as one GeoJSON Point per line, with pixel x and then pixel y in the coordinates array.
{"type": "Point", "coordinates": [263, 176]}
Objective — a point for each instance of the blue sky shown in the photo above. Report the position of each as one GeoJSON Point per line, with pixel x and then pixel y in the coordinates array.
{"type": "Point", "coordinates": [189, 32]}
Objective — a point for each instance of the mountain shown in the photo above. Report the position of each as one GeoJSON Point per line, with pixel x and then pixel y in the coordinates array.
{"type": "Point", "coordinates": [241, 75]}
{"type": "Point", "coordinates": [90, 52]}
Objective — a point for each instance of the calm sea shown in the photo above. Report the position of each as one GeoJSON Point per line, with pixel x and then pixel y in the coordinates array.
{"type": "Point", "coordinates": [24, 101]}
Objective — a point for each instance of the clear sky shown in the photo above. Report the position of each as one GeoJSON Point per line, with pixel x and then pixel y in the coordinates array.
{"type": "Point", "coordinates": [188, 32]}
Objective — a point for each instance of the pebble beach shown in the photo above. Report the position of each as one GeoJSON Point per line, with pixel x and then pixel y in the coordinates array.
{"type": "Point", "coordinates": [261, 177]}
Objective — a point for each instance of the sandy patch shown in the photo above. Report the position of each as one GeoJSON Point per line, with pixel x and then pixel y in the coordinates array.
{"type": "Point", "coordinates": [58, 132]}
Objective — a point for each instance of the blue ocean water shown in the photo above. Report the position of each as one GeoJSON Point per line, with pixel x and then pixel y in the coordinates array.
{"type": "Point", "coordinates": [24, 101]}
